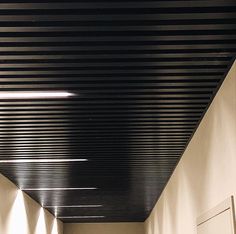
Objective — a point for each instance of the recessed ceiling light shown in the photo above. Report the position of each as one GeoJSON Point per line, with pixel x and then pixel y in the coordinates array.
{"type": "Point", "coordinates": [56, 189]}
{"type": "Point", "coordinates": [82, 217]}
{"type": "Point", "coordinates": [42, 160]}
{"type": "Point", "coordinates": [34, 94]}
{"type": "Point", "coordinates": [75, 206]}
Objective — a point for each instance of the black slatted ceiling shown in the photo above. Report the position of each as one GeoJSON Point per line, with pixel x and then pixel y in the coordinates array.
{"type": "Point", "coordinates": [143, 73]}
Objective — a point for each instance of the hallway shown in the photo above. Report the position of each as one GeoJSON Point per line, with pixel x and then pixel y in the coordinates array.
{"type": "Point", "coordinates": [117, 117]}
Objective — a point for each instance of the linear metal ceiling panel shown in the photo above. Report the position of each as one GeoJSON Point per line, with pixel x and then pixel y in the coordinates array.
{"type": "Point", "coordinates": [141, 75]}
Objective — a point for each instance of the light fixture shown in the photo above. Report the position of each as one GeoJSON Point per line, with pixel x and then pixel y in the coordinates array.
{"type": "Point", "coordinates": [56, 189]}
{"type": "Point", "coordinates": [42, 160]}
{"type": "Point", "coordinates": [34, 94]}
{"type": "Point", "coordinates": [74, 206]}
{"type": "Point", "coordinates": [55, 213]}
{"type": "Point", "coordinates": [82, 217]}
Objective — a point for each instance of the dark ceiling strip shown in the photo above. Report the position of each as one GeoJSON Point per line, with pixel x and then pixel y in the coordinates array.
{"type": "Point", "coordinates": [121, 38]}
{"type": "Point", "coordinates": [68, 145]}
{"type": "Point", "coordinates": [190, 64]}
{"type": "Point", "coordinates": [204, 54]}
{"type": "Point", "coordinates": [71, 138]}
{"type": "Point", "coordinates": [102, 127]}
{"type": "Point", "coordinates": [119, 51]}
{"type": "Point", "coordinates": [111, 33]}
{"type": "Point", "coordinates": [114, 49]}
{"type": "Point", "coordinates": [101, 112]}
{"type": "Point", "coordinates": [120, 16]}
{"type": "Point", "coordinates": [174, 64]}
{"type": "Point", "coordinates": [117, 71]}
{"type": "Point", "coordinates": [101, 28]}
{"type": "Point", "coordinates": [91, 103]}
{"type": "Point", "coordinates": [57, 140]}
{"type": "Point", "coordinates": [128, 107]}
{"type": "Point", "coordinates": [113, 85]}
{"type": "Point", "coordinates": [117, 4]}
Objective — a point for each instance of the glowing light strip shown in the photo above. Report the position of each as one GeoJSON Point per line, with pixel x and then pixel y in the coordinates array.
{"type": "Point", "coordinates": [55, 189]}
{"type": "Point", "coordinates": [34, 94]}
{"type": "Point", "coordinates": [75, 206]}
{"type": "Point", "coordinates": [81, 217]}
{"type": "Point", "coordinates": [42, 160]}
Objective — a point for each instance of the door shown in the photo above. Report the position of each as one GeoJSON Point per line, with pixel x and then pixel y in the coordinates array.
{"type": "Point", "coordinates": [219, 220]}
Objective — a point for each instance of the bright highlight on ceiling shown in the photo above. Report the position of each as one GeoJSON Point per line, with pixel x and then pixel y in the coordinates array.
{"type": "Point", "coordinates": [42, 160]}
{"type": "Point", "coordinates": [55, 189]}
{"type": "Point", "coordinates": [34, 94]}
{"type": "Point", "coordinates": [82, 217]}
{"type": "Point", "coordinates": [75, 206]}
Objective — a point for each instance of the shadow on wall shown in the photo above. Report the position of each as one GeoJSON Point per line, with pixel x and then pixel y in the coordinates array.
{"type": "Point", "coordinates": [20, 214]}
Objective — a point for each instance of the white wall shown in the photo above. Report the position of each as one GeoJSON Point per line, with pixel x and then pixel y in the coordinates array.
{"type": "Point", "coordinates": [19, 214]}
{"type": "Point", "coordinates": [206, 174]}
{"type": "Point", "coordinates": [104, 228]}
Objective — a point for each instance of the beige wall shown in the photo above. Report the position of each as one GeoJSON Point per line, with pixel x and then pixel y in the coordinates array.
{"type": "Point", "coordinates": [19, 214]}
{"type": "Point", "coordinates": [206, 174]}
{"type": "Point", "coordinates": [104, 228]}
